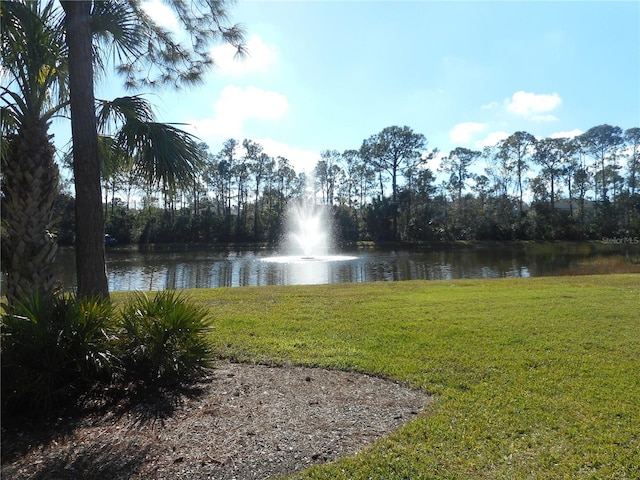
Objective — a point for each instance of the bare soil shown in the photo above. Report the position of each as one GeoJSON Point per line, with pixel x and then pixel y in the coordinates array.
{"type": "Point", "coordinates": [242, 422]}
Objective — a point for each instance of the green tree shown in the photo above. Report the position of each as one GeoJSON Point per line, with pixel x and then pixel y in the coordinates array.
{"type": "Point", "coordinates": [225, 167]}
{"type": "Point", "coordinates": [34, 60]}
{"type": "Point", "coordinates": [515, 151]}
{"type": "Point", "coordinates": [257, 163]}
{"type": "Point", "coordinates": [457, 165]}
{"type": "Point", "coordinates": [145, 54]}
{"type": "Point", "coordinates": [602, 143]}
{"type": "Point", "coordinates": [632, 140]}
{"type": "Point", "coordinates": [496, 170]}
{"type": "Point", "coordinates": [114, 166]}
{"type": "Point", "coordinates": [241, 180]}
{"type": "Point", "coordinates": [326, 173]}
{"type": "Point", "coordinates": [408, 195]}
{"type": "Point", "coordinates": [424, 222]}
{"type": "Point", "coordinates": [262, 170]}
{"type": "Point", "coordinates": [569, 168]}
{"type": "Point", "coordinates": [582, 183]}
{"type": "Point", "coordinates": [285, 179]}
{"type": "Point", "coordinates": [391, 150]}
{"type": "Point", "coordinates": [551, 154]}
{"type": "Point", "coordinates": [366, 154]}
{"type": "Point", "coordinates": [349, 187]}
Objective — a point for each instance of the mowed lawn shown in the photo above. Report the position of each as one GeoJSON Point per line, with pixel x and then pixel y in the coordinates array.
{"type": "Point", "coordinates": [534, 378]}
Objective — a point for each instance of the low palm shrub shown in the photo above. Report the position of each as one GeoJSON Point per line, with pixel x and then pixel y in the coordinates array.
{"type": "Point", "coordinates": [165, 338]}
{"type": "Point", "coordinates": [55, 348]}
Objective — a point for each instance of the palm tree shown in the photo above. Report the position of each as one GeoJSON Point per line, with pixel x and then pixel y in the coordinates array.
{"type": "Point", "coordinates": [146, 54]}
{"type": "Point", "coordinates": [40, 64]}
{"type": "Point", "coordinates": [34, 58]}
{"type": "Point", "coordinates": [160, 153]}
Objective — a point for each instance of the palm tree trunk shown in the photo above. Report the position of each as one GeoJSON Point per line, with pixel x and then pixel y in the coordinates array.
{"type": "Point", "coordinates": [30, 186]}
{"type": "Point", "coordinates": [90, 253]}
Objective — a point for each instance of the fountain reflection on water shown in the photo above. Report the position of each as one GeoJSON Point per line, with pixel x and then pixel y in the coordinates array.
{"type": "Point", "coordinates": [180, 267]}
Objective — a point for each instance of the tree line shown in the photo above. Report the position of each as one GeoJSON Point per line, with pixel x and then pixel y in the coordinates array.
{"type": "Point", "coordinates": [54, 52]}
{"type": "Point", "coordinates": [585, 187]}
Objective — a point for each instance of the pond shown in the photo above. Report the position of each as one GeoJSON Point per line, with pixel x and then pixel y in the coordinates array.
{"type": "Point", "coordinates": [180, 267]}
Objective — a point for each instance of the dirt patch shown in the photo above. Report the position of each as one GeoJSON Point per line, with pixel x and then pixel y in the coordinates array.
{"type": "Point", "coordinates": [244, 422]}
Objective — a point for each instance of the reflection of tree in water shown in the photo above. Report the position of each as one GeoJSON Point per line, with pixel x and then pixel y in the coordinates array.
{"type": "Point", "coordinates": [156, 270]}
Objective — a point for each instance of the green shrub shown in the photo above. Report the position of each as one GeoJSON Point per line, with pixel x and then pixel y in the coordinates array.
{"type": "Point", "coordinates": [55, 348]}
{"type": "Point", "coordinates": [165, 338]}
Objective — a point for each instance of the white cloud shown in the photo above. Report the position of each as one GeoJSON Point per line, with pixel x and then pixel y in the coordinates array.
{"type": "Point", "coordinates": [302, 160]}
{"type": "Point", "coordinates": [490, 106]}
{"type": "Point", "coordinates": [570, 134]}
{"type": "Point", "coordinates": [161, 14]}
{"type": "Point", "coordinates": [259, 56]}
{"type": "Point", "coordinates": [492, 139]}
{"type": "Point", "coordinates": [235, 106]}
{"type": "Point", "coordinates": [533, 105]}
{"type": "Point", "coordinates": [436, 161]}
{"type": "Point", "coordinates": [462, 132]}
{"type": "Point", "coordinates": [545, 118]}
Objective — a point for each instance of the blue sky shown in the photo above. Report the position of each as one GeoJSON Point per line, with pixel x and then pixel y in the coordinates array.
{"type": "Point", "coordinates": [329, 74]}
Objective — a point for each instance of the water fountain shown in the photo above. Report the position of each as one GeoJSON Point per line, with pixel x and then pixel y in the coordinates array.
{"type": "Point", "coordinates": [308, 236]}
{"type": "Point", "coordinates": [308, 231]}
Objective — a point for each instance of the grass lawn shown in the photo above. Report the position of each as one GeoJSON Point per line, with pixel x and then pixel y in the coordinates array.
{"type": "Point", "coordinates": [534, 378]}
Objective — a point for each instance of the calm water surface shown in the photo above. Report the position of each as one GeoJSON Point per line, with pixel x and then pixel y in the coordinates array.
{"type": "Point", "coordinates": [181, 268]}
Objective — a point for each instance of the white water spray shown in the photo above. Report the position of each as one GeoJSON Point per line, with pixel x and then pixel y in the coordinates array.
{"type": "Point", "coordinates": [308, 231]}
{"type": "Point", "coordinates": [307, 239]}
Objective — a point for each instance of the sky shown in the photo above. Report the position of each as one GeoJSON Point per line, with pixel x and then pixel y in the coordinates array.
{"type": "Point", "coordinates": [329, 74]}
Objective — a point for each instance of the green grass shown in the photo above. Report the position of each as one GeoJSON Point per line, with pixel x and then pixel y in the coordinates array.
{"type": "Point", "coordinates": [534, 378]}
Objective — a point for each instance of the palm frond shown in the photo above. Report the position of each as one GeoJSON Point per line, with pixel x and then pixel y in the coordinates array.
{"type": "Point", "coordinates": [34, 55]}
{"type": "Point", "coordinates": [111, 155]}
{"type": "Point", "coordinates": [164, 154]}
{"type": "Point", "coordinates": [120, 110]}
{"type": "Point", "coordinates": [119, 33]}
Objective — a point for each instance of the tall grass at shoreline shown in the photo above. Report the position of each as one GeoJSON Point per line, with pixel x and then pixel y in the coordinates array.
{"type": "Point", "coordinates": [534, 378]}
{"type": "Point", "coordinates": [604, 265]}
